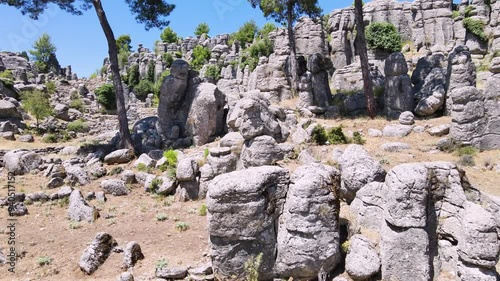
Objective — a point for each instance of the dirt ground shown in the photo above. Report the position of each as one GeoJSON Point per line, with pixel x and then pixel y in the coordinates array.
{"type": "Point", "coordinates": [46, 232]}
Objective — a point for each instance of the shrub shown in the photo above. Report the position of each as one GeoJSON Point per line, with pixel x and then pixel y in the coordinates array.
{"type": "Point", "coordinates": [319, 135]}
{"type": "Point", "coordinates": [202, 28]}
{"type": "Point", "coordinates": [266, 29]}
{"type": "Point", "coordinates": [51, 87]}
{"type": "Point", "coordinates": [206, 152]}
{"type": "Point", "coordinates": [383, 36]}
{"type": "Point", "coordinates": [79, 126]}
{"type": "Point", "coordinates": [182, 226]}
{"type": "Point", "coordinates": [37, 104]}
{"type": "Point", "coordinates": [133, 75]}
{"type": "Point", "coordinates": [252, 267]}
{"type": "Point", "coordinates": [168, 35]}
{"type": "Point", "coordinates": [475, 27]}
{"type": "Point", "coordinates": [468, 11]}
{"type": "Point", "coordinates": [115, 171]}
{"type": "Point", "coordinates": [213, 71]}
{"type": "Point", "coordinates": [50, 138]}
{"type": "Point", "coordinates": [77, 104]}
{"type": "Point", "coordinates": [123, 58]}
{"type": "Point", "coordinates": [161, 264]}
{"type": "Point", "coordinates": [203, 210]}
{"type": "Point", "coordinates": [155, 184]}
{"type": "Point", "coordinates": [43, 260]}
{"type": "Point", "coordinates": [94, 74]}
{"type": "Point", "coordinates": [144, 88]}
{"type": "Point", "coordinates": [246, 33]}
{"type": "Point", "coordinates": [199, 57]}
{"type": "Point", "coordinates": [171, 156]}
{"type": "Point", "coordinates": [455, 14]}
{"type": "Point", "coordinates": [178, 55]}
{"type": "Point", "coordinates": [168, 59]}
{"type": "Point", "coordinates": [336, 136]}
{"type": "Point", "coordinates": [106, 96]}
{"type": "Point", "coordinates": [150, 74]}
{"type": "Point", "coordinates": [7, 74]}
{"type": "Point", "coordinates": [467, 160]}
{"type": "Point", "coordinates": [262, 48]}
{"type": "Point", "coordinates": [466, 150]}
{"type": "Point", "coordinates": [161, 217]}
{"type": "Point", "coordinates": [357, 138]}
{"type": "Point", "coordinates": [143, 168]}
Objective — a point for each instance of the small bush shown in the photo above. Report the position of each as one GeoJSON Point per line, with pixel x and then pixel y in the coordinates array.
{"type": "Point", "coordinates": [143, 168]}
{"type": "Point", "coordinates": [42, 261]}
{"type": "Point", "coordinates": [202, 28]}
{"type": "Point", "coordinates": [475, 27]}
{"type": "Point", "coordinates": [213, 71]}
{"type": "Point", "coordinates": [106, 96]}
{"type": "Point", "coordinates": [336, 136]}
{"type": "Point", "coordinates": [466, 150]}
{"type": "Point", "coordinates": [252, 267]}
{"type": "Point", "coordinates": [161, 217]}
{"type": "Point", "coordinates": [133, 75]}
{"type": "Point", "coordinates": [345, 246]}
{"type": "Point", "coordinates": [206, 152]}
{"type": "Point", "coordinates": [319, 135]}
{"type": "Point", "coordinates": [467, 160]}
{"type": "Point", "coordinates": [79, 126]}
{"type": "Point", "coordinates": [50, 138]}
{"type": "Point", "coordinates": [77, 104]}
{"type": "Point", "coordinates": [51, 87]}
{"type": "Point", "coordinates": [200, 56]}
{"type": "Point", "coordinates": [168, 59]}
{"type": "Point", "coordinates": [74, 224]}
{"type": "Point", "coordinates": [178, 55]}
{"type": "Point", "coordinates": [168, 35]}
{"type": "Point", "coordinates": [383, 36]}
{"type": "Point", "coordinates": [203, 210]}
{"type": "Point", "coordinates": [182, 226]}
{"type": "Point", "coordinates": [7, 74]}
{"type": "Point", "coordinates": [155, 184]}
{"type": "Point", "coordinates": [161, 264]}
{"type": "Point", "coordinates": [37, 104]}
{"type": "Point", "coordinates": [455, 14]}
{"type": "Point", "coordinates": [115, 171]}
{"type": "Point", "coordinates": [357, 138]}
{"type": "Point", "coordinates": [468, 11]}
{"type": "Point", "coordinates": [171, 156]}
{"type": "Point", "coordinates": [144, 88]}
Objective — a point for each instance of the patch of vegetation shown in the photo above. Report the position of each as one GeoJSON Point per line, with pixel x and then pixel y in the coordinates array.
{"type": "Point", "coordinates": [466, 160]}
{"type": "Point", "coordinates": [455, 14]}
{"type": "Point", "coordinates": [203, 210]}
{"type": "Point", "coordinates": [383, 36]}
{"type": "Point", "coordinates": [64, 202]}
{"type": "Point", "coordinates": [115, 171]}
{"type": "Point", "coordinates": [262, 48]}
{"type": "Point", "coordinates": [206, 152]}
{"type": "Point", "coordinates": [79, 126]}
{"type": "Point", "coordinates": [155, 184]}
{"type": "Point", "coordinates": [468, 11]}
{"type": "Point", "coordinates": [168, 35]}
{"type": "Point", "coordinates": [466, 150]}
{"type": "Point", "coordinates": [42, 261]}
{"type": "Point", "coordinates": [357, 138]}
{"type": "Point", "coordinates": [144, 88]}
{"type": "Point", "coordinates": [162, 263]}
{"type": "Point", "coordinates": [74, 224]}
{"type": "Point", "coordinates": [336, 136]}
{"type": "Point", "coordinates": [37, 104]}
{"type": "Point", "coordinates": [106, 96]}
{"type": "Point", "coordinates": [77, 104]}
{"type": "Point", "coordinates": [319, 135]}
{"type": "Point", "coordinates": [475, 27]}
{"type": "Point", "coordinates": [181, 226]}
{"type": "Point", "coordinates": [161, 217]}
{"type": "Point", "coordinates": [345, 247]}
{"type": "Point", "coordinates": [51, 87]}
{"type": "Point", "coordinates": [251, 267]}
{"type": "Point", "coordinates": [141, 167]}
{"type": "Point", "coordinates": [200, 56]}
{"type": "Point", "coordinates": [133, 75]}
{"type": "Point", "coordinates": [201, 29]}
{"type": "Point", "coordinates": [50, 138]}
{"type": "Point", "coordinates": [213, 71]}
{"type": "Point", "coordinates": [168, 59]}
{"type": "Point", "coordinates": [245, 34]}
{"type": "Point", "coordinates": [170, 164]}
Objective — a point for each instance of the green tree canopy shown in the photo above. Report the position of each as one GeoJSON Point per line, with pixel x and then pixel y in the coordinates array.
{"type": "Point", "coordinates": [169, 36]}
{"type": "Point", "coordinates": [42, 51]}
{"type": "Point", "coordinates": [123, 43]}
{"type": "Point", "coordinates": [266, 29]}
{"type": "Point", "coordinates": [246, 33]}
{"type": "Point", "coordinates": [383, 36]}
{"type": "Point", "coordinates": [37, 104]}
{"type": "Point", "coordinates": [202, 28]}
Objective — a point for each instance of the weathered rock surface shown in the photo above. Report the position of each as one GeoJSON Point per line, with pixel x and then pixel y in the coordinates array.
{"type": "Point", "coordinates": [362, 260]}
{"type": "Point", "coordinates": [97, 252]}
{"type": "Point", "coordinates": [20, 162]}
{"type": "Point", "coordinates": [119, 156]}
{"type": "Point", "coordinates": [79, 210]}
{"type": "Point", "coordinates": [132, 254]}
{"type": "Point", "coordinates": [398, 96]}
{"type": "Point", "coordinates": [260, 151]}
{"type": "Point", "coordinates": [115, 187]}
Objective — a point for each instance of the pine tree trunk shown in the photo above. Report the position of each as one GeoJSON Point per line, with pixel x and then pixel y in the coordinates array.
{"type": "Point", "coordinates": [293, 51]}
{"type": "Point", "coordinates": [125, 141]}
{"type": "Point", "coordinates": [363, 57]}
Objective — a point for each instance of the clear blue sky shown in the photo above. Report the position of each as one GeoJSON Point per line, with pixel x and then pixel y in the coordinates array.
{"type": "Point", "coordinates": [80, 40]}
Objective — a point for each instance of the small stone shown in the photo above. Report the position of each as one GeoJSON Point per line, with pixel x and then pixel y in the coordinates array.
{"type": "Point", "coordinates": [394, 146]}
{"type": "Point", "coordinates": [114, 187]}
{"type": "Point", "coordinates": [126, 276]}
{"type": "Point", "coordinates": [439, 131]}
{"type": "Point", "coordinates": [55, 183]}
{"type": "Point", "coordinates": [374, 133]}
{"type": "Point", "coordinates": [407, 118]}
{"type": "Point", "coordinates": [171, 273]}
{"type": "Point", "coordinates": [219, 151]}
{"type": "Point", "coordinates": [26, 138]}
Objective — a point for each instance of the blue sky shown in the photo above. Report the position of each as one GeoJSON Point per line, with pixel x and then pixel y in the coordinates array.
{"type": "Point", "coordinates": [80, 40]}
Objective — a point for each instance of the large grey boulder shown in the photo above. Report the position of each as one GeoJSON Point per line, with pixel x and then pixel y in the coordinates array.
{"type": "Point", "coordinates": [76, 174]}
{"type": "Point", "coordinates": [260, 151]}
{"type": "Point", "coordinates": [79, 210]}
{"type": "Point", "coordinates": [318, 64]}
{"type": "Point", "coordinates": [9, 110]}
{"type": "Point", "coordinates": [461, 73]}
{"type": "Point", "coordinates": [115, 187]}
{"type": "Point", "coordinates": [357, 169]}
{"type": "Point", "coordinates": [61, 111]}
{"type": "Point", "coordinates": [431, 96]}
{"type": "Point", "coordinates": [119, 156]}
{"type": "Point", "coordinates": [145, 160]}
{"type": "Point", "coordinates": [222, 160]}
{"type": "Point", "coordinates": [187, 169]}
{"type": "Point", "coordinates": [20, 162]}
{"type": "Point", "coordinates": [362, 260]}
{"type": "Point", "coordinates": [206, 114]}
{"type": "Point", "coordinates": [397, 130]}
{"type": "Point", "coordinates": [132, 254]}
{"type": "Point", "coordinates": [255, 197]}
{"type": "Point", "coordinates": [96, 253]}
{"type": "Point", "coordinates": [398, 96]}
{"type": "Point", "coordinates": [310, 220]}
{"type": "Point", "coordinates": [467, 113]}
{"type": "Point", "coordinates": [369, 205]}
{"type": "Point", "coordinates": [252, 117]}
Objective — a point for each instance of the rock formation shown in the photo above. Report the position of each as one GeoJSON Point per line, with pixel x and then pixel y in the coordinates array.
{"type": "Point", "coordinates": [398, 96]}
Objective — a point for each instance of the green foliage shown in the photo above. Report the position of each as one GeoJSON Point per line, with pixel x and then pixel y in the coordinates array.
{"type": "Point", "coordinates": [115, 171]}
{"type": "Point", "coordinates": [171, 156]}
{"type": "Point", "coordinates": [206, 152]}
{"type": "Point", "coordinates": [50, 138]}
{"type": "Point", "coordinates": [252, 267]}
{"type": "Point", "coordinates": [141, 167]}
{"type": "Point", "coordinates": [246, 33]}
{"type": "Point", "coordinates": [144, 88]}
{"type": "Point", "coordinates": [123, 43]}
{"type": "Point", "coordinates": [45, 260]}
{"type": "Point", "coordinates": [213, 71]}
{"type": "Point", "coordinates": [455, 14]}
{"type": "Point", "coordinates": [345, 246]}
{"type": "Point", "coordinates": [278, 10]}
{"type": "Point", "coordinates": [77, 104]}
{"type": "Point", "coordinates": [200, 56]}
{"type": "Point", "coordinates": [475, 27]}
{"type": "Point", "coordinates": [169, 36]}
{"type": "Point", "coordinates": [168, 59]}
{"type": "Point", "coordinates": [319, 135]}
{"type": "Point", "coordinates": [133, 75]}
{"type": "Point", "coordinates": [182, 226]}
{"type": "Point", "coordinates": [161, 217]}
{"type": "Point", "coordinates": [383, 36]}
{"type": "Point", "coordinates": [37, 104]}
{"type": "Point", "coordinates": [203, 210]}
{"type": "Point", "coordinates": [262, 48]}
{"type": "Point", "coordinates": [106, 96]}
{"type": "Point", "coordinates": [266, 29]}
{"type": "Point", "coordinates": [468, 11]}
{"type": "Point", "coordinates": [150, 74]}
{"type": "Point", "coordinates": [24, 54]}
{"type": "Point", "coordinates": [7, 74]}
{"type": "Point", "coordinates": [357, 138]}
{"type": "Point", "coordinates": [123, 58]}
{"type": "Point", "coordinates": [51, 87]}
{"type": "Point", "coordinates": [466, 150]}
{"type": "Point", "coordinates": [336, 136]}
{"type": "Point", "coordinates": [79, 126]}
{"type": "Point", "coordinates": [161, 264]}
{"type": "Point", "coordinates": [202, 28]}
{"type": "Point", "coordinates": [42, 50]}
